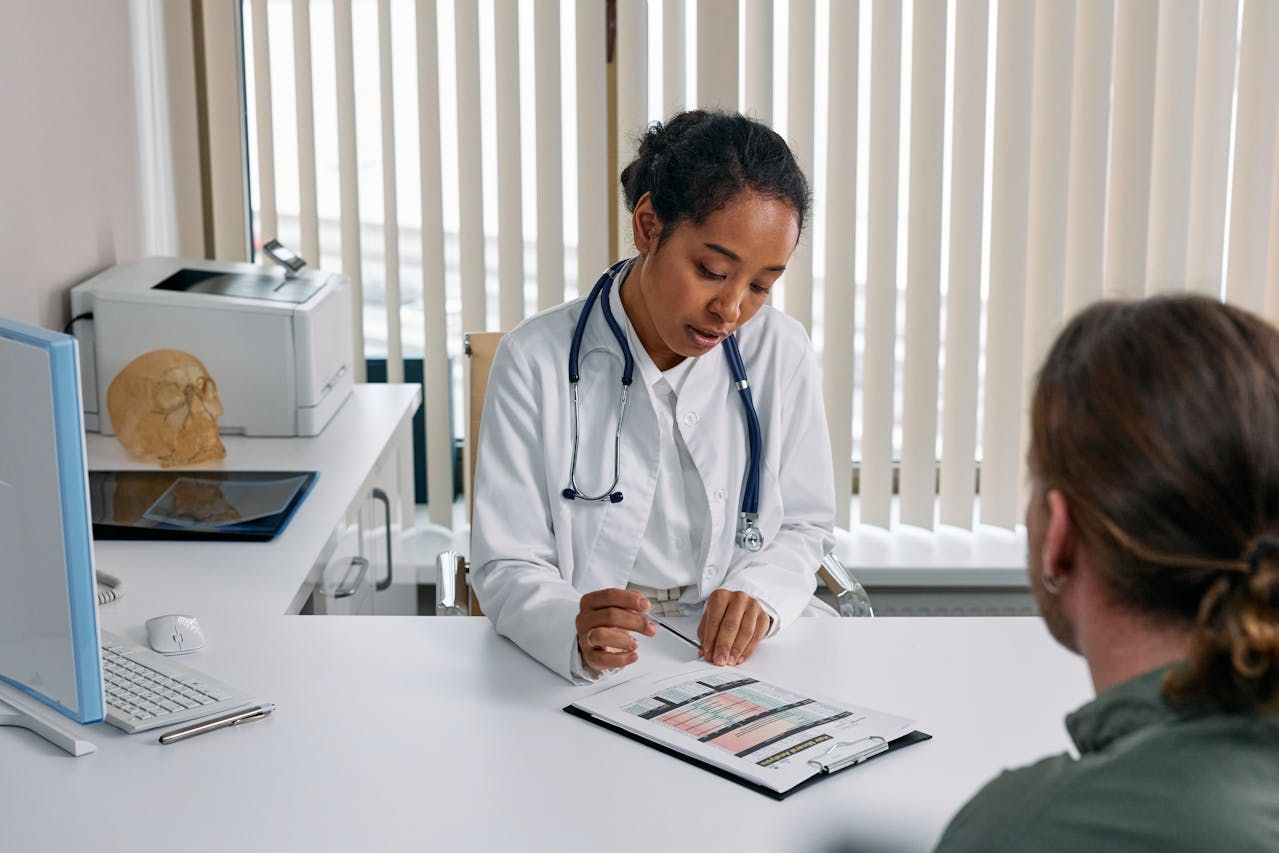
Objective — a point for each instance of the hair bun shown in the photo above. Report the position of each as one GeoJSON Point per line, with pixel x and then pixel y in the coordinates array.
{"type": "Point", "coordinates": [697, 161]}
{"type": "Point", "coordinates": [654, 141]}
{"type": "Point", "coordinates": [1234, 652]}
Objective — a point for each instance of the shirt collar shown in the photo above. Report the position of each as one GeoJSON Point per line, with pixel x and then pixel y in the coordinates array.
{"type": "Point", "coordinates": [1122, 710]}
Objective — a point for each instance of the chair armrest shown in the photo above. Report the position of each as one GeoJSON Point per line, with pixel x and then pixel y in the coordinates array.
{"type": "Point", "coordinates": [450, 584]}
{"type": "Point", "coordinates": [850, 596]}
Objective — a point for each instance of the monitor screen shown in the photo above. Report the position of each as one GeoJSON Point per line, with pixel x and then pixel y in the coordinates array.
{"type": "Point", "coordinates": [49, 646]}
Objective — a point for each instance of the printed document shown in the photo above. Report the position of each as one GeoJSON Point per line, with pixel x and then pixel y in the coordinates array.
{"type": "Point", "coordinates": [763, 733]}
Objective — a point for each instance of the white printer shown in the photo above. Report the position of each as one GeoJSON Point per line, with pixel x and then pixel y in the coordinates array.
{"type": "Point", "coordinates": [278, 344]}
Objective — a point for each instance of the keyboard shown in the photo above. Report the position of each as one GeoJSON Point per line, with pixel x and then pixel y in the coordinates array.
{"type": "Point", "coordinates": [145, 690]}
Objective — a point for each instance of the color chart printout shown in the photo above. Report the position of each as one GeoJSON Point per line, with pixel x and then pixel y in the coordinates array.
{"type": "Point", "coordinates": [743, 716]}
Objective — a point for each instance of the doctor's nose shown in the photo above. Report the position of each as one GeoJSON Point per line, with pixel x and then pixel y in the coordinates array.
{"type": "Point", "coordinates": [727, 307]}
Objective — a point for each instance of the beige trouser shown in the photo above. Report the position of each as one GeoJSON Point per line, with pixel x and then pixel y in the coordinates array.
{"type": "Point", "coordinates": [665, 601]}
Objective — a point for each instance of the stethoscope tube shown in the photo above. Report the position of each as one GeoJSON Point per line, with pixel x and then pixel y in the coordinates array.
{"type": "Point", "coordinates": [601, 289]}
{"type": "Point", "coordinates": [749, 536]}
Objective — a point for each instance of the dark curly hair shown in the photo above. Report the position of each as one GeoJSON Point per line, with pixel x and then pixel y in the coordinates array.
{"type": "Point", "coordinates": [699, 161]}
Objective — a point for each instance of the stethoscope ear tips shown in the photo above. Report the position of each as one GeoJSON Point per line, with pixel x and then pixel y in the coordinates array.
{"type": "Point", "coordinates": [570, 494]}
{"type": "Point", "coordinates": [616, 497]}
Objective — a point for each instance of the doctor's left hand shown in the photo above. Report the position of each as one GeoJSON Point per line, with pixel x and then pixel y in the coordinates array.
{"type": "Point", "coordinates": [732, 627]}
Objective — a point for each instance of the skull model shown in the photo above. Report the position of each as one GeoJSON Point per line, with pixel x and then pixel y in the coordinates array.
{"type": "Point", "coordinates": [165, 408]}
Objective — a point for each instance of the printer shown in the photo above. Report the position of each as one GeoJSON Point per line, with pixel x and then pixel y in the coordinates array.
{"type": "Point", "coordinates": [277, 342]}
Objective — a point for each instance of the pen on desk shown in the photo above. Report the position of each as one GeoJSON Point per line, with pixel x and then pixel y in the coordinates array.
{"type": "Point", "coordinates": [234, 718]}
{"type": "Point", "coordinates": [694, 643]}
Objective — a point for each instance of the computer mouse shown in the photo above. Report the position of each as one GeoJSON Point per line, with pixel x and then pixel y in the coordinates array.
{"type": "Point", "coordinates": [174, 634]}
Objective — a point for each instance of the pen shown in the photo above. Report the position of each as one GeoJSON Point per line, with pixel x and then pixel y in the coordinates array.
{"type": "Point", "coordinates": [679, 634]}
{"type": "Point", "coordinates": [234, 718]}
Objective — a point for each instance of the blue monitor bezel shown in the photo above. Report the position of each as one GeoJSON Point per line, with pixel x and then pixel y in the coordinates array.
{"type": "Point", "coordinates": [68, 430]}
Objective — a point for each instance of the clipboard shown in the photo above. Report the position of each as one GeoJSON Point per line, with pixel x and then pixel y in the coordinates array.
{"type": "Point", "coordinates": [838, 758]}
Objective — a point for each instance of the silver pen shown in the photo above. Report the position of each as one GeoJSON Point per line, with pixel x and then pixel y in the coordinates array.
{"type": "Point", "coordinates": [650, 617]}
{"type": "Point", "coordinates": [234, 718]}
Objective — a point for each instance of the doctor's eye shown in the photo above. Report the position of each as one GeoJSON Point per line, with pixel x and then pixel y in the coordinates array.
{"type": "Point", "coordinates": [760, 289]}
{"type": "Point", "coordinates": [706, 273]}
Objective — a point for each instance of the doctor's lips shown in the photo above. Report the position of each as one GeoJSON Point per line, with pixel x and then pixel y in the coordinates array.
{"type": "Point", "coordinates": [704, 338]}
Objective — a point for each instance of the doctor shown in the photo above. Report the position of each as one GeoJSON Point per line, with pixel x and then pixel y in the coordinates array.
{"type": "Point", "coordinates": [620, 467]}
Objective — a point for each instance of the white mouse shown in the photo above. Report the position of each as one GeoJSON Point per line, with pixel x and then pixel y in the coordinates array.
{"type": "Point", "coordinates": [174, 635]}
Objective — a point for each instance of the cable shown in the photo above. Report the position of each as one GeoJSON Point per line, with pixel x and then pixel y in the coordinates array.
{"type": "Point", "coordinates": [88, 315]}
{"type": "Point", "coordinates": [110, 588]}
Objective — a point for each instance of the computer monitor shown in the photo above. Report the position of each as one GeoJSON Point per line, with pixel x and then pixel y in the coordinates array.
{"type": "Point", "coordinates": [50, 658]}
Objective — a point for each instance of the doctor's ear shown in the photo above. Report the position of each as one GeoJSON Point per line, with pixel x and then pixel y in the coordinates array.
{"type": "Point", "coordinates": [646, 227]}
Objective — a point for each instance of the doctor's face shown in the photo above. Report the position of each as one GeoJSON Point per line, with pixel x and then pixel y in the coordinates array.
{"type": "Point", "coordinates": [705, 281]}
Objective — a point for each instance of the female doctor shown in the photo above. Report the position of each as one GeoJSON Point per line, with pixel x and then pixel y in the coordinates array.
{"type": "Point", "coordinates": [620, 469]}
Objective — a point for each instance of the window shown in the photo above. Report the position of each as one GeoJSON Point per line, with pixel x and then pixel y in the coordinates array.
{"type": "Point", "coordinates": [990, 173]}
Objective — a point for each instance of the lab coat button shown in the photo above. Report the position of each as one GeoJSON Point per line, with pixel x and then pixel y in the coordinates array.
{"type": "Point", "coordinates": [690, 419]}
{"type": "Point", "coordinates": [719, 494]}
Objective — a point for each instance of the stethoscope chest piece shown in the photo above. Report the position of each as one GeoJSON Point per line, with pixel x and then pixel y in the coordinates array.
{"type": "Point", "coordinates": [749, 537]}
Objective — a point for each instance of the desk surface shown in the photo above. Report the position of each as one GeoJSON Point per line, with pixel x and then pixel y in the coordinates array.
{"type": "Point", "coordinates": [268, 578]}
{"type": "Point", "coordinates": [414, 733]}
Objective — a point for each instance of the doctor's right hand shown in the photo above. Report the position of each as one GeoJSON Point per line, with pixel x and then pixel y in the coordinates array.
{"type": "Point", "coordinates": [605, 621]}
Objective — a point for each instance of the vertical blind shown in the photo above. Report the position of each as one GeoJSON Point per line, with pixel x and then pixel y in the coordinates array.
{"type": "Point", "coordinates": [981, 170]}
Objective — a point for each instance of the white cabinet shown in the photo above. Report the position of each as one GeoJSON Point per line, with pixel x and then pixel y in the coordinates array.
{"type": "Point", "coordinates": [368, 570]}
{"type": "Point", "coordinates": [344, 587]}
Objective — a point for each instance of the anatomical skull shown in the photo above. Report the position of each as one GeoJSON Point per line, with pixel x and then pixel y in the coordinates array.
{"type": "Point", "coordinates": [165, 408]}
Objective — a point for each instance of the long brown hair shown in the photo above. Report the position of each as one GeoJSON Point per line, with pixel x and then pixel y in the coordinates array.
{"type": "Point", "coordinates": [1158, 421]}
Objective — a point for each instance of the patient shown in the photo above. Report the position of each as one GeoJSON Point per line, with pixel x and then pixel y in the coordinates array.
{"type": "Point", "coordinates": [1154, 553]}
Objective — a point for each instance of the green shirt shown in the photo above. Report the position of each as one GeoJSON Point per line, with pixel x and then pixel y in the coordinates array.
{"type": "Point", "coordinates": [1149, 776]}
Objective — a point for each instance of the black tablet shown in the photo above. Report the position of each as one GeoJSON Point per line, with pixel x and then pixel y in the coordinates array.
{"type": "Point", "coordinates": [209, 506]}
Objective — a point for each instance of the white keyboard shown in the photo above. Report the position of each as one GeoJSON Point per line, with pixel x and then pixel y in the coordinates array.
{"type": "Point", "coordinates": [145, 690]}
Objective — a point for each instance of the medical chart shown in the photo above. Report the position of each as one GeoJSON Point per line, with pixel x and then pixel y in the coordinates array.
{"type": "Point", "coordinates": [729, 718]}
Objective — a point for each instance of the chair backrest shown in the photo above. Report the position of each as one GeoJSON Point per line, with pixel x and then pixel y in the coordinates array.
{"type": "Point", "coordinates": [480, 349]}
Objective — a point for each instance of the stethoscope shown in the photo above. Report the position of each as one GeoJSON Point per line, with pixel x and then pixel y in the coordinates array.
{"type": "Point", "coordinates": [749, 536]}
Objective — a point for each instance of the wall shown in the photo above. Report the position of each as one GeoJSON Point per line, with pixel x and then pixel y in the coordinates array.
{"type": "Point", "coordinates": [70, 199]}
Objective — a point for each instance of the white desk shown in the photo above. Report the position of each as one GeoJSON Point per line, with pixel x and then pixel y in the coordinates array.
{"type": "Point", "coordinates": [269, 578]}
{"type": "Point", "coordinates": [433, 733]}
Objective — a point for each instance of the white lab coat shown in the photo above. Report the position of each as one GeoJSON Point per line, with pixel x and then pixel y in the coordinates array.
{"type": "Point", "coordinates": [535, 553]}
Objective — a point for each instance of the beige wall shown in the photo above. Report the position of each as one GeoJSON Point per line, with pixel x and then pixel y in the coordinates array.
{"type": "Point", "coordinates": [70, 199]}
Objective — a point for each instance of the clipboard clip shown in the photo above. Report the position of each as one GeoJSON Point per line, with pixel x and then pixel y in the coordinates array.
{"type": "Point", "coordinates": [877, 745]}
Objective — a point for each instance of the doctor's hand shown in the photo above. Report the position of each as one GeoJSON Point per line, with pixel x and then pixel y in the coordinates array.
{"type": "Point", "coordinates": [605, 621]}
{"type": "Point", "coordinates": [732, 627]}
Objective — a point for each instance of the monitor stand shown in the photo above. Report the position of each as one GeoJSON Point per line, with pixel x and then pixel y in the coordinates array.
{"type": "Point", "coordinates": [18, 709]}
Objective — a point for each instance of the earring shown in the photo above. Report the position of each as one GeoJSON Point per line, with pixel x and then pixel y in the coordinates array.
{"type": "Point", "coordinates": [1051, 582]}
